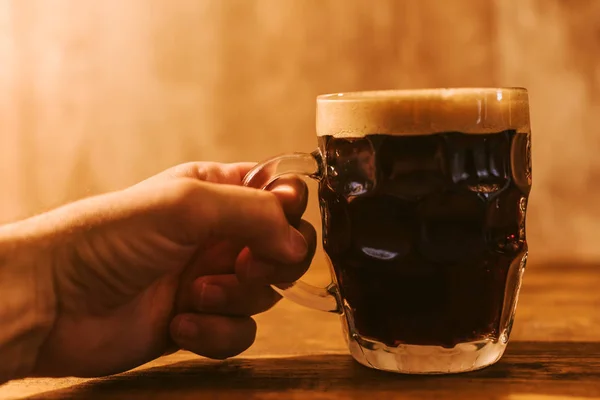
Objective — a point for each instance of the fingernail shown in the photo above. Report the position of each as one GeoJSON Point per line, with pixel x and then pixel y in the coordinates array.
{"type": "Point", "coordinates": [298, 244]}
{"type": "Point", "coordinates": [212, 296]}
{"type": "Point", "coordinates": [187, 329]}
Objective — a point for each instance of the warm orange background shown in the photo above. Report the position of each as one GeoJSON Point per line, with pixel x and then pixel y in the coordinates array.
{"type": "Point", "coordinates": [96, 95]}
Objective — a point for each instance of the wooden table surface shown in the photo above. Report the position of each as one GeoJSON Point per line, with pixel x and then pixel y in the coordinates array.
{"type": "Point", "coordinates": [554, 353]}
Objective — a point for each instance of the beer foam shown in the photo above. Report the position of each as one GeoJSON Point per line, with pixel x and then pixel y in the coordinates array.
{"type": "Point", "coordinates": [423, 112]}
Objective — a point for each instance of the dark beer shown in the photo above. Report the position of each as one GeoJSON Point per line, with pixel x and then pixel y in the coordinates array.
{"type": "Point", "coordinates": [426, 232]}
{"type": "Point", "coordinates": [423, 196]}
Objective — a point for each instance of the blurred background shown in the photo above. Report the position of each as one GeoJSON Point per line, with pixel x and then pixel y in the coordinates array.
{"type": "Point", "coordinates": [97, 95]}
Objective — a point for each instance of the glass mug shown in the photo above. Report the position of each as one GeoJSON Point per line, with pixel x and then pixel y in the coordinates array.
{"type": "Point", "coordinates": [423, 195]}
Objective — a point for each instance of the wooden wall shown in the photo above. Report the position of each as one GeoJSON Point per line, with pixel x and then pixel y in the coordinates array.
{"type": "Point", "coordinates": [96, 95]}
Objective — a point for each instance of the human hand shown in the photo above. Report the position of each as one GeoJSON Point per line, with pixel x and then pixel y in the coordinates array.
{"type": "Point", "coordinates": [181, 260]}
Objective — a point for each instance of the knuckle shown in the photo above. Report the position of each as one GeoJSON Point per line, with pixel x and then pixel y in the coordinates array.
{"type": "Point", "coordinates": [209, 172]}
{"type": "Point", "coordinates": [202, 171]}
{"type": "Point", "coordinates": [186, 170]}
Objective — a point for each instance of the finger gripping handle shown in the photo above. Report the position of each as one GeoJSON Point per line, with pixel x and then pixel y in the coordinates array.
{"type": "Point", "coordinates": [261, 177]}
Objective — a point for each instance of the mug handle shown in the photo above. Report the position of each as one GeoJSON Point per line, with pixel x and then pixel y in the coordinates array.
{"type": "Point", "coordinates": [263, 175]}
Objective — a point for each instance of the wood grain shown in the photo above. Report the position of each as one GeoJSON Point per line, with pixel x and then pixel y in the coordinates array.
{"type": "Point", "coordinates": [556, 369]}
{"type": "Point", "coordinates": [554, 353]}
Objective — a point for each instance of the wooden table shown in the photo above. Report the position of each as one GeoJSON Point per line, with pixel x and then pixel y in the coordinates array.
{"type": "Point", "coordinates": [299, 353]}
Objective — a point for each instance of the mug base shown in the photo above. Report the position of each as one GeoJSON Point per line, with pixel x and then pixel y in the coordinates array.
{"type": "Point", "coordinates": [415, 359]}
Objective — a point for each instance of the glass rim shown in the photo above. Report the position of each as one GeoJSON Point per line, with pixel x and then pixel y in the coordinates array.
{"type": "Point", "coordinates": [422, 93]}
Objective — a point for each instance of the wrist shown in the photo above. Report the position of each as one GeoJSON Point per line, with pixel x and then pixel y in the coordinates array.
{"type": "Point", "coordinates": [27, 300]}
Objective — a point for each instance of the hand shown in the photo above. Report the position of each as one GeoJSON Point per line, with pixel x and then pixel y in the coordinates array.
{"type": "Point", "coordinates": [181, 260]}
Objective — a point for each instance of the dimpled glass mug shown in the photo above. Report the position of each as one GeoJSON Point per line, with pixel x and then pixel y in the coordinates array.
{"type": "Point", "coordinates": [423, 195]}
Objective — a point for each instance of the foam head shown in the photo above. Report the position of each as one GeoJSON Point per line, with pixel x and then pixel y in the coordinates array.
{"type": "Point", "coordinates": [423, 112]}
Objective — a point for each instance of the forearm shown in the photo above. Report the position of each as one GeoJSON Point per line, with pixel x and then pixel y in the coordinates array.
{"type": "Point", "coordinates": [27, 300]}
